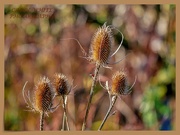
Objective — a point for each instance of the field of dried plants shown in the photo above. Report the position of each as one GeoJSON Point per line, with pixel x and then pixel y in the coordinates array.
{"type": "Point", "coordinates": [41, 40]}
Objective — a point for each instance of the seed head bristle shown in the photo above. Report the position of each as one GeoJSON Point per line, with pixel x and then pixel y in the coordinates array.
{"type": "Point", "coordinates": [101, 45]}
{"type": "Point", "coordinates": [119, 83]}
{"type": "Point", "coordinates": [61, 84]}
{"type": "Point", "coordinates": [43, 95]}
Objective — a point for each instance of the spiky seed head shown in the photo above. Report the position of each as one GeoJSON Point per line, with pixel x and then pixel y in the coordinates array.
{"type": "Point", "coordinates": [119, 83]}
{"type": "Point", "coordinates": [61, 84]}
{"type": "Point", "coordinates": [101, 45]}
{"type": "Point", "coordinates": [43, 95]}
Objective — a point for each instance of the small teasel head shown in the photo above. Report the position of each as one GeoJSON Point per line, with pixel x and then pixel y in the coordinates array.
{"type": "Point", "coordinates": [61, 85]}
{"type": "Point", "coordinates": [119, 84]}
{"type": "Point", "coordinates": [101, 45]}
{"type": "Point", "coordinates": [43, 95]}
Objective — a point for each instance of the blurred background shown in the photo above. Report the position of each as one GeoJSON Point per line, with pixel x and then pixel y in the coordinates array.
{"type": "Point", "coordinates": [37, 44]}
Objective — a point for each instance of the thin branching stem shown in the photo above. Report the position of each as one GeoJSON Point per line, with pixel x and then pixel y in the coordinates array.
{"type": "Point", "coordinates": [65, 119]}
{"type": "Point", "coordinates": [63, 123]}
{"type": "Point", "coordinates": [42, 121]}
{"type": "Point", "coordinates": [108, 112]}
{"type": "Point", "coordinates": [91, 95]}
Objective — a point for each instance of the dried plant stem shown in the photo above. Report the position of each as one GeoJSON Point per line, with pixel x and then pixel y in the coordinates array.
{"type": "Point", "coordinates": [91, 95]}
{"type": "Point", "coordinates": [108, 112]}
{"type": "Point", "coordinates": [65, 119]}
{"type": "Point", "coordinates": [41, 121]}
{"type": "Point", "coordinates": [63, 123]}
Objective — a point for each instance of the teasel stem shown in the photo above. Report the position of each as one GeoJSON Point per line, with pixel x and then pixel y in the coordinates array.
{"type": "Point", "coordinates": [63, 123]}
{"type": "Point", "coordinates": [65, 119]}
{"type": "Point", "coordinates": [41, 121]}
{"type": "Point", "coordinates": [91, 95]}
{"type": "Point", "coordinates": [108, 112]}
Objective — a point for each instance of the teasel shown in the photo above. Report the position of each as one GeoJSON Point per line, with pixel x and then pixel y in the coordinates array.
{"type": "Point", "coordinates": [62, 88]}
{"type": "Point", "coordinates": [61, 85]}
{"type": "Point", "coordinates": [119, 84]}
{"type": "Point", "coordinates": [100, 53]}
{"type": "Point", "coordinates": [101, 45]}
{"type": "Point", "coordinates": [42, 99]}
{"type": "Point", "coordinates": [118, 87]}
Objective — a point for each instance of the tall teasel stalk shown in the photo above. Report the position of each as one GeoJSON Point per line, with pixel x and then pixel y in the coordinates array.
{"type": "Point", "coordinates": [118, 87]}
{"type": "Point", "coordinates": [100, 51]}
{"type": "Point", "coordinates": [42, 99]}
{"type": "Point", "coordinates": [62, 89]}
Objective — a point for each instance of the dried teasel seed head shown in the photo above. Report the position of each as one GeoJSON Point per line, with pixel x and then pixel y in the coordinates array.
{"type": "Point", "coordinates": [119, 83]}
{"type": "Point", "coordinates": [61, 84]}
{"type": "Point", "coordinates": [43, 95]}
{"type": "Point", "coordinates": [101, 45]}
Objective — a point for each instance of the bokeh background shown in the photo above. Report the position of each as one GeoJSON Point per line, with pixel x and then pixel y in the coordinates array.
{"type": "Point", "coordinates": [37, 44]}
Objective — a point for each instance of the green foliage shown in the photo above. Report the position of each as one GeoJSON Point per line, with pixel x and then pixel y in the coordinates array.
{"type": "Point", "coordinates": [156, 100]}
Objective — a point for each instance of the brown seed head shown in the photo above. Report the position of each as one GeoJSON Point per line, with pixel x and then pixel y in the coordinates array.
{"type": "Point", "coordinates": [43, 95]}
{"type": "Point", "coordinates": [61, 84]}
{"type": "Point", "coordinates": [119, 83]}
{"type": "Point", "coordinates": [101, 45]}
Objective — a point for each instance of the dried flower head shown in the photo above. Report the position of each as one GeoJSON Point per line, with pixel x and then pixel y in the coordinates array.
{"type": "Point", "coordinates": [43, 95]}
{"type": "Point", "coordinates": [61, 84]}
{"type": "Point", "coordinates": [101, 45]}
{"type": "Point", "coordinates": [119, 83]}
